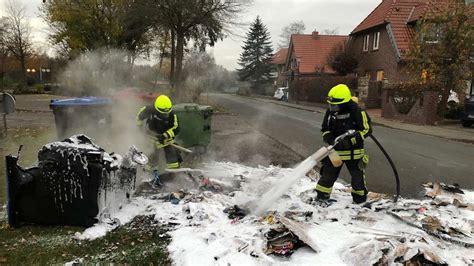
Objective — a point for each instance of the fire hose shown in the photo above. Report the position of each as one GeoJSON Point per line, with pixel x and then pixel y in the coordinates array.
{"type": "Point", "coordinates": [395, 172]}
{"type": "Point", "coordinates": [389, 159]}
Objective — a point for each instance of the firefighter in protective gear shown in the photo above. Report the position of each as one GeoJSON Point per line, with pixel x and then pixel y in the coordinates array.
{"type": "Point", "coordinates": [345, 114]}
{"type": "Point", "coordinates": [162, 125]}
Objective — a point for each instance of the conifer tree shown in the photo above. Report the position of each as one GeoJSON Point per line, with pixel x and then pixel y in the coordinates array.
{"type": "Point", "coordinates": [255, 60]}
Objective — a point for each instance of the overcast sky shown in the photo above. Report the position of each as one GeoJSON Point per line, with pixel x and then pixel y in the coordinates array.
{"type": "Point", "coordinates": [343, 15]}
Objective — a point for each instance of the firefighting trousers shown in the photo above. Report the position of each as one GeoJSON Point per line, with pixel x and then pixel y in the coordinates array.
{"type": "Point", "coordinates": [172, 158]}
{"type": "Point", "coordinates": [329, 175]}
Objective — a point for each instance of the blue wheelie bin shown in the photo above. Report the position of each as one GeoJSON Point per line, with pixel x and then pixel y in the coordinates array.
{"type": "Point", "coordinates": [86, 115]}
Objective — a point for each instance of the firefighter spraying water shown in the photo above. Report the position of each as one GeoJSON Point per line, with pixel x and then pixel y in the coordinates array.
{"type": "Point", "coordinates": [345, 127]}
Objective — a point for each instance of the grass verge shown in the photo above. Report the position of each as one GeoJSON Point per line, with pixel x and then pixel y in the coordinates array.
{"type": "Point", "coordinates": [142, 241]}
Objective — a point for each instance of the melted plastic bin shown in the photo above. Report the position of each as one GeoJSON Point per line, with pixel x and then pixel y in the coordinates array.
{"type": "Point", "coordinates": [75, 182]}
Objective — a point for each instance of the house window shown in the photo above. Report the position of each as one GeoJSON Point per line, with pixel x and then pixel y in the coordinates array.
{"type": "Point", "coordinates": [376, 40]}
{"type": "Point", "coordinates": [365, 48]}
{"type": "Point", "coordinates": [380, 75]}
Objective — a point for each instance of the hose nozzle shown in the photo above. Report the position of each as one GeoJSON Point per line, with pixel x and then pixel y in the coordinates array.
{"type": "Point", "coordinates": [349, 132]}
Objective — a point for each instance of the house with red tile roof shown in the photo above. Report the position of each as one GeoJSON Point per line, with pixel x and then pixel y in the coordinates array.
{"type": "Point", "coordinates": [382, 40]}
{"type": "Point", "coordinates": [307, 54]}
{"type": "Point", "coordinates": [279, 60]}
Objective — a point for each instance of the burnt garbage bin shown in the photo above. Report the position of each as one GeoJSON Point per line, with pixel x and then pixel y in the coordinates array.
{"type": "Point", "coordinates": [81, 115]}
{"type": "Point", "coordinates": [72, 183]}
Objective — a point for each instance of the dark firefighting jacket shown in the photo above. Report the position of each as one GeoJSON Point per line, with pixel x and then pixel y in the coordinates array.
{"type": "Point", "coordinates": [159, 123]}
{"type": "Point", "coordinates": [350, 116]}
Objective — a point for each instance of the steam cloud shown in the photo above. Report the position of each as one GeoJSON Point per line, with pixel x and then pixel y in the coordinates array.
{"type": "Point", "coordinates": [104, 73]}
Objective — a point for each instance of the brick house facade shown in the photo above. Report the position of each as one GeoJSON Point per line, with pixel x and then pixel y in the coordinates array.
{"type": "Point", "coordinates": [279, 61]}
{"type": "Point", "coordinates": [379, 62]}
{"type": "Point", "coordinates": [307, 55]}
{"type": "Point", "coordinates": [382, 40]}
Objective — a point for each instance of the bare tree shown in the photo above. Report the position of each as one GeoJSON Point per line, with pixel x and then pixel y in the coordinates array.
{"type": "Point", "coordinates": [18, 34]}
{"type": "Point", "coordinates": [205, 22]}
{"type": "Point", "coordinates": [341, 59]}
{"type": "Point", "coordinates": [3, 49]}
{"type": "Point", "coordinates": [296, 27]}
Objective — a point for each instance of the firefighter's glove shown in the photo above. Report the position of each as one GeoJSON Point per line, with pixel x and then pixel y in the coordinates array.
{"type": "Point", "coordinates": [357, 138]}
{"type": "Point", "coordinates": [161, 138]}
{"type": "Point", "coordinates": [164, 139]}
{"type": "Point", "coordinates": [329, 139]}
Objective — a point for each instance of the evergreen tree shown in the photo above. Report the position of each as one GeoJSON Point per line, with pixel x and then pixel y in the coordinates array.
{"type": "Point", "coordinates": [255, 60]}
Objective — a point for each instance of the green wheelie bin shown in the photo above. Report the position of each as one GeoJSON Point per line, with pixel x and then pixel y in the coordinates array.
{"type": "Point", "coordinates": [195, 125]}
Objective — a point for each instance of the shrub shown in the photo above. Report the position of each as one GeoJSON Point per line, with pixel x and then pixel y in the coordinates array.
{"type": "Point", "coordinates": [315, 89]}
{"type": "Point", "coordinates": [454, 110]}
{"type": "Point", "coordinates": [39, 88]}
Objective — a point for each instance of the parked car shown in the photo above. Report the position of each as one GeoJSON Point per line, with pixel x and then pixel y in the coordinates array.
{"type": "Point", "coordinates": [467, 118]}
{"type": "Point", "coordinates": [281, 94]}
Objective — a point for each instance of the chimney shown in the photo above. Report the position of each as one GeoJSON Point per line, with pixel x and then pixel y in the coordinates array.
{"type": "Point", "coordinates": [315, 35]}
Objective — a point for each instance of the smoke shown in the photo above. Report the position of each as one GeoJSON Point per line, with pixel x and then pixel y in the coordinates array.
{"type": "Point", "coordinates": [107, 73]}
{"type": "Point", "coordinates": [97, 73]}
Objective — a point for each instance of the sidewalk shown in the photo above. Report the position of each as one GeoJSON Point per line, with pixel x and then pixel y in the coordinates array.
{"type": "Point", "coordinates": [444, 130]}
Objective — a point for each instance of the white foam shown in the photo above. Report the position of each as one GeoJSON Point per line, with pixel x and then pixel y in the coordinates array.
{"type": "Point", "coordinates": [210, 234]}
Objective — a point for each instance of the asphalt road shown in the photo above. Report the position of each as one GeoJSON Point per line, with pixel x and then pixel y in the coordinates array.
{"type": "Point", "coordinates": [419, 158]}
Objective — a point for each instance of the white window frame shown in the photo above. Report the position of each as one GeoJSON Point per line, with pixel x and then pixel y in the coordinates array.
{"type": "Point", "coordinates": [365, 47]}
{"type": "Point", "coordinates": [376, 42]}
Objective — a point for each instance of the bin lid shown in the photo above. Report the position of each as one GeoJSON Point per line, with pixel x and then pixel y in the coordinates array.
{"type": "Point", "coordinates": [185, 106]}
{"type": "Point", "coordinates": [83, 101]}
{"type": "Point", "coordinates": [205, 108]}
